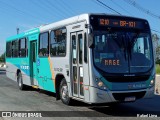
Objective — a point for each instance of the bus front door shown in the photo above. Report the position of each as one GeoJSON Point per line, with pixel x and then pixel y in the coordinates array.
{"type": "Point", "coordinates": [77, 64]}
{"type": "Point", "coordinates": [33, 66]}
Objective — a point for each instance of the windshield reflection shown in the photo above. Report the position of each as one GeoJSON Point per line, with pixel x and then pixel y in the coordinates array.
{"type": "Point", "coordinates": [122, 52]}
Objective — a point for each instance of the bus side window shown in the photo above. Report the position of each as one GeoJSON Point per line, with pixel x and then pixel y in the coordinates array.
{"type": "Point", "coordinates": [9, 49]}
{"type": "Point", "coordinates": [22, 47]}
{"type": "Point", "coordinates": [26, 43]}
{"type": "Point", "coordinates": [52, 41]}
{"type": "Point", "coordinates": [74, 52]}
{"type": "Point", "coordinates": [15, 48]}
{"type": "Point", "coordinates": [43, 44]}
{"type": "Point", "coordinates": [58, 42]}
{"type": "Point", "coordinates": [85, 48]}
{"type": "Point", "coordinates": [80, 48]}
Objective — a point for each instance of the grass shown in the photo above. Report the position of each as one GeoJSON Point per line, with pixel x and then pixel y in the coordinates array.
{"type": "Point", "coordinates": [158, 69]}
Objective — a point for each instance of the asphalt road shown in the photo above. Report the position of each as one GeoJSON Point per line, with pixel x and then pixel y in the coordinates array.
{"type": "Point", "coordinates": [12, 99]}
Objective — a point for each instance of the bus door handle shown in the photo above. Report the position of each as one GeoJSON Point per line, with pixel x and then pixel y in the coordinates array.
{"type": "Point", "coordinates": [67, 72]}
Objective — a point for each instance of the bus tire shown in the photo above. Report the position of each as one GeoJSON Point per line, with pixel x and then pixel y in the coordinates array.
{"type": "Point", "coordinates": [63, 90]}
{"type": "Point", "coordinates": [20, 82]}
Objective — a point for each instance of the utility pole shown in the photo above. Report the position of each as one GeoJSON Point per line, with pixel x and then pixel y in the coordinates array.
{"type": "Point", "coordinates": [17, 30]}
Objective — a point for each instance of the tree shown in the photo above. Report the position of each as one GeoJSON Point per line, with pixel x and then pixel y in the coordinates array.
{"type": "Point", "coordinates": [155, 39]}
{"type": "Point", "coordinates": [158, 55]}
{"type": "Point", "coordinates": [2, 57]}
{"type": "Point", "coordinates": [156, 47]}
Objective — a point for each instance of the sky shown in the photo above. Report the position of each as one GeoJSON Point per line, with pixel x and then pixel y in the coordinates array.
{"type": "Point", "coordinates": [27, 14]}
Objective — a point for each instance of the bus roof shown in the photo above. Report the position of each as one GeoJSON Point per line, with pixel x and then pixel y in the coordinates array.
{"type": "Point", "coordinates": [49, 26]}
{"type": "Point", "coordinates": [76, 19]}
{"type": "Point", "coordinates": [61, 23]}
{"type": "Point", "coordinates": [65, 22]}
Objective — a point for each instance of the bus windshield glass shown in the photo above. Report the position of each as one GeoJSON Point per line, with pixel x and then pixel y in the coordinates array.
{"type": "Point", "coordinates": [118, 51]}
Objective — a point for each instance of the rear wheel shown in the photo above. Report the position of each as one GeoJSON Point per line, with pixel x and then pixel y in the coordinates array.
{"type": "Point", "coordinates": [64, 95]}
{"type": "Point", "coordinates": [20, 81]}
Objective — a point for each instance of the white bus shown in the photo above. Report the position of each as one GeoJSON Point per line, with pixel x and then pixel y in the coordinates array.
{"type": "Point", "coordinates": [93, 58]}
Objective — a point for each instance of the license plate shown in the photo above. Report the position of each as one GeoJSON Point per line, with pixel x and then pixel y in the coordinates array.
{"type": "Point", "coordinates": [127, 99]}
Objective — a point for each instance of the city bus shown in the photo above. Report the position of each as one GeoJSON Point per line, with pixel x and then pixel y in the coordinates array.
{"type": "Point", "coordinates": [93, 58]}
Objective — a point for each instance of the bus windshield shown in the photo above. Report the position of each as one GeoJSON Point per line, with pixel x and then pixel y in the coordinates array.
{"type": "Point", "coordinates": [122, 51]}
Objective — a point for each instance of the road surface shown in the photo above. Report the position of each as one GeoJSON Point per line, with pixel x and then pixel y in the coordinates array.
{"type": "Point", "coordinates": [12, 99]}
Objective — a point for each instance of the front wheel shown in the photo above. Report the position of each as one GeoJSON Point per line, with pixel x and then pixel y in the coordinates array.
{"type": "Point", "coordinates": [20, 81]}
{"type": "Point", "coordinates": [64, 95]}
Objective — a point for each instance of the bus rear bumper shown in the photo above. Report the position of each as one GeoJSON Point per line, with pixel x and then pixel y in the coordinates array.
{"type": "Point", "coordinates": [103, 96]}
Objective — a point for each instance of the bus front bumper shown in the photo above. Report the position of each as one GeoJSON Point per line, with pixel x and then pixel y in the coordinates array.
{"type": "Point", "coordinates": [103, 96]}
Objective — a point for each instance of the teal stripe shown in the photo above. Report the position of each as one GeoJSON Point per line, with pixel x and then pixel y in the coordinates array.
{"type": "Point", "coordinates": [24, 34]}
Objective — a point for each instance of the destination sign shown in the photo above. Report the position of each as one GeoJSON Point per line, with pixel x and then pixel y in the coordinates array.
{"type": "Point", "coordinates": [102, 22]}
{"type": "Point", "coordinates": [120, 23]}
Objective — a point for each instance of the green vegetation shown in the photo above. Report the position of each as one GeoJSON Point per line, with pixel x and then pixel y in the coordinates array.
{"type": "Point", "coordinates": [2, 58]}
{"type": "Point", "coordinates": [158, 61]}
{"type": "Point", "coordinates": [157, 69]}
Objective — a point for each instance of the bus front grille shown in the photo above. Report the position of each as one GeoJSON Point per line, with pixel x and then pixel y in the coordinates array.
{"type": "Point", "coordinates": [122, 96]}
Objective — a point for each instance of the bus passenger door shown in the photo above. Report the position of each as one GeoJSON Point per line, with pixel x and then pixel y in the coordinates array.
{"type": "Point", "coordinates": [33, 67]}
{"type": "Point", "coordinates": [77, 64]}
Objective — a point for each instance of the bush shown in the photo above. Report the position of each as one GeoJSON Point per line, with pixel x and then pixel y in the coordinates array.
{"type": "Point", "coordinates": [158, 61]}
{"type": "Point", "coordinates": [2, 58]}
{"type": "Point", "coordinates": [157, 69]}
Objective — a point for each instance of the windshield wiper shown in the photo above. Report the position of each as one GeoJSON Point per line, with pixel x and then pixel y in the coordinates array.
{"type": "Point", "coordinates": [134, 39]}
{"type": "Point", "coordinates": [132, 42]}
{"type": "Point", "coordinates": [125, 47]}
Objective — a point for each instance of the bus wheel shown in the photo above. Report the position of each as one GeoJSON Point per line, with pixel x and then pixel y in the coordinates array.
{"type": "Point", "coordinates": [64, 95]}
{"type": "Point", "coordinates": [20, 81]}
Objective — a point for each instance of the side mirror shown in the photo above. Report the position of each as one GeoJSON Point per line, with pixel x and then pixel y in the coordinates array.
{"type": "Point", "coordinates": [90, 41]}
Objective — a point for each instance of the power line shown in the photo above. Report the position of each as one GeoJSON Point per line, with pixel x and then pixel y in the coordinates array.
{"type": "Point", "coordinates": [146, 11]}
{"type": "Point", "coordinates": [101, 5]}
{"type": "Point", "coordinates": [56, 8]}
{"type": "Point", "coordinates": [65, 7]}
{"type": "Point", "coordinates": [133, 3]}
{"type": "Point", "coordinates": [32, 3]}
{"type": "Point", "coordinates": [120, 13]}
{"type": "Point", "coordinates": [41, 6]}
{"type": "Point", "coordinates": [68, 6]}
{"type": "Point", "coordinates": [120, 7]}
{"type": "Point", "coordinates": [108, 7]}
{"type": "Point", "coordinates": [20, 11]}
{"type": "Point", "coordinates": [155, 31]}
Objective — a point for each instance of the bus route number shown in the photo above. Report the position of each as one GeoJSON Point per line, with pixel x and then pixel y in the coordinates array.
{"type": "Point", "coordinates": [127, 24]}
{"type": "Point", "coordinates": [104, 21]}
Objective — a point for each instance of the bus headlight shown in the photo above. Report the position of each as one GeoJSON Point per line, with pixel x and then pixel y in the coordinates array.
{"type": "Point", "coordinates": [151, 82]}
{"type": "Point", "coordinates": [100, 84]}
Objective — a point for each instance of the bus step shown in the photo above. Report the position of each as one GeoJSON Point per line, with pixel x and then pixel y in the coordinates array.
{"type": "Point", "coordinates": [35, 86]}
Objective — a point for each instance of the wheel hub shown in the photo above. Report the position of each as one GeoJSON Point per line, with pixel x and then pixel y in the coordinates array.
{"type": "Point", "coordinates": [64, 92]}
